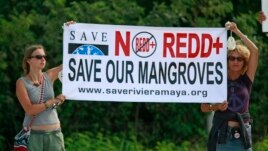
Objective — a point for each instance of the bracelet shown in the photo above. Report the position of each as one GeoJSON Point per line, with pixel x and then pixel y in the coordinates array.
{"type": "Point", "coordinates": [49, 106]}
{"type": "Point", "coordinates": [210, 107]}
{"type": "Point", "coordinates": [54, 104]}
{"type": "Point", "coordinates": [46, 105]}
{"type": "Point", "coordinates": [57, 103]}
{"type": "Point", "coordinates": [59, 100]}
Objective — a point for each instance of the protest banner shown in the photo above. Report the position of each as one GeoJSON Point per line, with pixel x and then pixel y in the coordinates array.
{"type": "Point", "coordinates": [264, 4]}
{"type": "Point", "coordinates": [144, 64]}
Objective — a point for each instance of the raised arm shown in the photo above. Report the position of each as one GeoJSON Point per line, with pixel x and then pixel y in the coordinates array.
{"type": "Point", "coordinates": [53, 72]}
{"type": "Point", "coordinates": [254, 53]}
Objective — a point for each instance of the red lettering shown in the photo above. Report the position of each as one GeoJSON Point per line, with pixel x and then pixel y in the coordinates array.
{"type": "Point", "coordinates": [137, 45]}
{"type": "Point", "coordinates": [125, 45]}
{"type": "Point", "coordinates": [146, 44]}
{"type": "Point", "coordinates": [180, 44]}
{"type": "Point", "coordinates": [142, 44]}
{"type": "Point", "coordinates": [191, 53]}
{"type": "Point", "coordinates": [189, 45]}
{"type": "Point", "coordinates": [217, 45]}
{"type": "Point", "coordinates": [206, 41]}
{"type": "Point", "coordinates": [168, 42]}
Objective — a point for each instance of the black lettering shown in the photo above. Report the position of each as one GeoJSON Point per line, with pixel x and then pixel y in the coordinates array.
{"type": "Point", "coordinates": [172, 81]}
{"type": "Point", "coordinates": [84, 70]}
{"type": "Point", "coordinates": [97, 70]}
{"type": "Point", "coordinates": [104, 37]}
{"type": "Point", "coordinates": [120, 79]}
{"type": "Point", "coordinates": [112, 68]}
{"type": "Point", "coordinates": [80, 70]}
{"type": "Point", "coordinates": [83, 37]}
{"type": "Point", "coordinates": [209, 72]}
{"type": "Point", "coordinates": [72, 35]}
{"type": "Point", "coordinates": [153, 74]}
{"type": "Point", "coordinates": [72, 76]}
{"type": "Point", "coordinates": [94, 36]}
{"type": "Point", "coordinates": [108, 91]}
{"type": "Point", "coordinates": [89, 69]}
{"type": "Point", "coordinates": [143, 72]}
{"type": "Point", "coordinates": [181, 71]}
{"type": "Point", "coordinates": [191, 81]}
{"type": "Point", "coordinates": [220, 78]}
{"type": "Point", "coordinates": [163, 73]}
{"type": "Point", "coordinates": [201, 73]}
{"type": "Point", "coordinates": [129, 71]}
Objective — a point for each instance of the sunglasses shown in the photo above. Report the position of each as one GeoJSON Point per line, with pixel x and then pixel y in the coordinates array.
{"type": "Point", "coordinates": [39, 57]}
{"type": "Point", "coordinates": [232, 58]}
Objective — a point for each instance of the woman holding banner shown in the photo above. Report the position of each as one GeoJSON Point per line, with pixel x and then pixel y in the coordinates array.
{"type": "Point", "coordinates": [36, 95]}
{"type": "Point", "coordinates": [231, 129]}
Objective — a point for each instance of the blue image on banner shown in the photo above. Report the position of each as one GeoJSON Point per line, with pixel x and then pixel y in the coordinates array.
{"type": "Point", "coordinates": [88, 50]}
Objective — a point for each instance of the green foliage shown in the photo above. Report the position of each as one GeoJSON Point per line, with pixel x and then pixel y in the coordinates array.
{"type": "Point", "coordinates": [2, 143]}
{"type": "Point", "coordinates": [88, 141]}
{"type": "Point", "coordinates": [261, 145]}
{"type": "Point", "coordinates": [142, 126]}
{"type": "Point", "coordinates": [161, 15]}
{"type": "Point", "coordinates": [105, 12]}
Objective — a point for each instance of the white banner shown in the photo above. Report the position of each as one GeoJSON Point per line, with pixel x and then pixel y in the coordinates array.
{"type": "Point", "coordinates": [265, 11]}
{"type": "Point", "coordinates": [144, 64]}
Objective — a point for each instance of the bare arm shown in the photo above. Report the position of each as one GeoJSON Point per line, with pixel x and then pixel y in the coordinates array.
{"type": "Point", "coordinates": [53, 73]}
{"type": "Point", "coordinates": [205, 107]}
{"type": "Point", "coordinates": [254, 53]}
{"type": "Point", "coordinates": [253, 58]}
{"type": "Point", "coordinates": [29, 108]}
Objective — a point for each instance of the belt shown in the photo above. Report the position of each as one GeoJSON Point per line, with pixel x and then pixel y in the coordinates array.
{"type": "Point", "coordinates": [46, 132]}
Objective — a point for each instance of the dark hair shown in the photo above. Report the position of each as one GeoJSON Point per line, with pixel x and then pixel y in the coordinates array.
{"type": "Point", "coordinates": [27, 54]}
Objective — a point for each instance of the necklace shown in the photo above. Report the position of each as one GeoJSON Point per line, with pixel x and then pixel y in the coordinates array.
{"type": "Point", "coordinates": [35, 83]}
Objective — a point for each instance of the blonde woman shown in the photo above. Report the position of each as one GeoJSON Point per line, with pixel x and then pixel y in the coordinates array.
{"type": "Point", "coordinates": [231, 129]}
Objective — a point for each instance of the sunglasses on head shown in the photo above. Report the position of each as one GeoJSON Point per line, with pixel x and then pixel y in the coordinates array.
{"type": "Point", "coordinates": [39, 57]}
{"type": "Point", "coordinates": [232, 58]}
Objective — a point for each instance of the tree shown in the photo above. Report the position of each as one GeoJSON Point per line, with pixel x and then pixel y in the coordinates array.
{"type": "Point", "coordinates": [25, 22]}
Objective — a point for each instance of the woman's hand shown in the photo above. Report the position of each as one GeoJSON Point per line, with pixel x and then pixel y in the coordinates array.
{"type": "Point", "coordinates": [69, 23]}
{"type": "Point", "coordinates": [231, 26]}
{"type": "Point", "coordinates": [222, 106]}
{"type": "Point", "coordinates": [262, 17]}
{"type": "Point", "coordinates": [60, 99]}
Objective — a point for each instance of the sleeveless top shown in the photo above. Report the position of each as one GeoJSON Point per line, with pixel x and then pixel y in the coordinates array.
{"type": "Point", "coordinates": [49, 116]}
{"type": "Point", "coordinates": [239, 94]}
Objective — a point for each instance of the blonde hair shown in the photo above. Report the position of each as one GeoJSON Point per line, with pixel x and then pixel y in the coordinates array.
{"type": "Point", "coordinates": [244, 52]}
{"type": "Point", "coordinates": [27, 55]}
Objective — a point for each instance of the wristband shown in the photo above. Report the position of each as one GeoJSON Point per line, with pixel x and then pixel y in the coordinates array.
{"type": "Point", "coordinates": [59, 100]}
{"type": "Point", "coordinates": [57, 103]}
{"type": "Point", "coordinates": [50, 106]}
{"type": "Point", "coordinates": [210, 107]}
{"type": "Point", "coordinates": [46, 105]}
